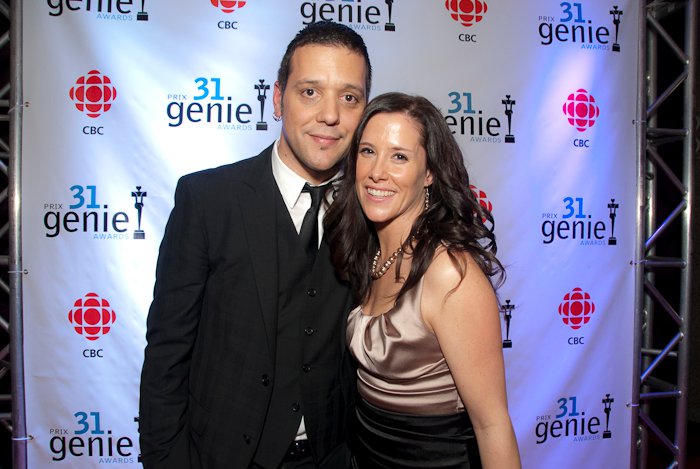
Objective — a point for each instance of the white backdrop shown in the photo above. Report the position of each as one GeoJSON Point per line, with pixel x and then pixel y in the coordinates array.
{"type": "Point", "coordinates": [125, 96]}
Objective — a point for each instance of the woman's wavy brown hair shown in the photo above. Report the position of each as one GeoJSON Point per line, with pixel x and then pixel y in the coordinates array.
{"type": "Point", "coordinates": [454, 218]}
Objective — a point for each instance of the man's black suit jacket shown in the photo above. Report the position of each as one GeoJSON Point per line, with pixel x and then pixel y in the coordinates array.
{"type": "Point", "coordinates": [212, 324]}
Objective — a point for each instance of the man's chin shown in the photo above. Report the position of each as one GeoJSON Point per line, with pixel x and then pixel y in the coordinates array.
{"type": "Point", "coordinates": [323, 172]}
{"type": "Point", "coordinates": [328, 160]}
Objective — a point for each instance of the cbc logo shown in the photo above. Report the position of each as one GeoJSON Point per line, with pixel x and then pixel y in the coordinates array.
{"type": "Point", "coordinates": [228, 6]}
{"type": "Point", "coordinates": [92, 317]}
{"type": "Point", "coordinates": [482, 198]}
{"type": "Point", "coordinates": [467, 37]}
{"type": "Point", "coordinates": [581, 110]}
{"type": "Point", "coordinates": [92, 353]}
{"type": "Point", "coordinates": [227, 24]}
{"type": "Point", "coordinates": [576, 308]}
{"type": "Point", "coordinates": [575, 341]}
{"type": "Point", "coordinates": [92, 130]}
{"type": "Point", "coordinates": [93, 93]}
{"type": "Point", "coordinates": [466, 12]}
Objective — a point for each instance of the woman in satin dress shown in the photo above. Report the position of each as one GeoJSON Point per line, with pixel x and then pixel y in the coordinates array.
{"type": "Point", "coordinates": [415, 245]}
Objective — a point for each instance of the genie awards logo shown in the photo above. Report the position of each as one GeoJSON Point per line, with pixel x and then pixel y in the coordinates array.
{"type": "Point", "coordinates": [88, 441]}
{"type": "Point", "coordinates": [575, 223]}
{"type": "Point", "coordinates": [506, 309]}
{"type": "Point", "coordinates": [210, 106]}
{"type": "Point", "coordinates": [92, 316]}
{"type": "Point", "coordinates": [81, 212]}
{"type": "Point", "coordinates": [93, 94]}
{"type": "Point", "coordinates": [587, 26]}
{"type": "Point", "coordinates": [110, 10]}
{"type": "Point", "coordinates": [465, 116]}
{"type": "Point", "coordinates": [138, 196]}
{"type": "Point", "coordinates": [360, 15]}
{"type": "Point", "coordinates": [575, 423]}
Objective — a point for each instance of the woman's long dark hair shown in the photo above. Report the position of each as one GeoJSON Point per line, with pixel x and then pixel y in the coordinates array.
{"type": "Point", "coordinates": [454, 218]}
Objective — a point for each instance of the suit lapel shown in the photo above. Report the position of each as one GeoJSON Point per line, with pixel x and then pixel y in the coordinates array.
{"type": "Point", "coordinates": [260, 224]}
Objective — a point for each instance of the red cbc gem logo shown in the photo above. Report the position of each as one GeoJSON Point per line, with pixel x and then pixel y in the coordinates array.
{"type": "Point", "coordinates": [92, 316]}
{"type": "Point", "coordinates": [482, 199]}
{"type": "Point", "coordinates": [93, 93]}
{"type": "Point", "coordinates": [576, 309]}
{"type": "Point", "coordinates": [228, 6]}
{"type": "Point", "coordinates": [581, 110]}
{"type": "Point", "coordinates": [467, 12]}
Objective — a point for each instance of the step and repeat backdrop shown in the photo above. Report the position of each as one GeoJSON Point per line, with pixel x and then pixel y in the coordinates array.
{"type": "Point", "coordinates": [122, 97]}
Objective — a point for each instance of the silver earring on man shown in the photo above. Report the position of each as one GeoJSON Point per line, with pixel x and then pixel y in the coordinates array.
{"type": "Point", "coordinates": [276, 117]}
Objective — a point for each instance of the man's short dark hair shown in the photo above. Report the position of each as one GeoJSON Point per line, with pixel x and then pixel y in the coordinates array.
{"type": "Point", "coordinates": [325, 33]}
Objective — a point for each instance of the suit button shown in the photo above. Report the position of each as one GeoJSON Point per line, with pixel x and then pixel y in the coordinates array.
{"type": "Point", "coordinates": [265, 380]}
{"type": "Point", "coordinates": [309, 330]}
{"type": "Point", "coordinates": [311, 292]}
{"type": "Point", "coordinates": [296, 407]}
{"type": "Point", "coordinates": [306, 368]}
{"type": "Point", "coordinates": [246, 438]}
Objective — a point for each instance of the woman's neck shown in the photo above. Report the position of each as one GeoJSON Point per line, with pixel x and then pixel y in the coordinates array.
{"type": "Point", "coordinates": [391, 239]}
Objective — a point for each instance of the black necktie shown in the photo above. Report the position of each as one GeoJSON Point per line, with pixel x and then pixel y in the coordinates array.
{"type": "Point", "coordinates": [309, 227]}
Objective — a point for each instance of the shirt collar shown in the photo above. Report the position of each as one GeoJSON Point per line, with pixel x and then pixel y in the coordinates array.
{"type": "Point", "coordinates": [290, 183]}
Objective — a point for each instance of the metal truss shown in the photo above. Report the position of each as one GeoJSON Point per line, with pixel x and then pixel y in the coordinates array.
{"type": "Point", "coordinates": [5, 381]}
{"type": "Point", "coordinates": [668, 135]}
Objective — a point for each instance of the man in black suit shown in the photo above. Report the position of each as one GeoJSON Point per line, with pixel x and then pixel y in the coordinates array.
{"type": "Point", "coordinates": [246, 365]}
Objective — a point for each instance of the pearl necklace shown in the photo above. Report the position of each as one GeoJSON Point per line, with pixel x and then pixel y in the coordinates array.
{"type": "Point", "coordinates": [374, 273]}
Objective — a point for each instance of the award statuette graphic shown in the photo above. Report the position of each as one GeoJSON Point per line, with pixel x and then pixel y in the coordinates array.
{"type": "Point", "coordinates": [607, 404]}
{"type": "Point", "coordinates": [389, 26]}
{"type": "Point", "coordinates": [262, 91]}
{"type": "Point", "coordinates": [142, 15]}
{"type": "Point", "coordinates": [508, 103]}
{"type": "Point", "coordinates": [612, 240]}
{"type": "Point", "coordinates": [138, 197]}
{"type": "Point", "coordinates": [138, 428]}
{"type": "Point", "coordinates": [507, 310]}
{"type": "Point", "coordinates": [616, 21]}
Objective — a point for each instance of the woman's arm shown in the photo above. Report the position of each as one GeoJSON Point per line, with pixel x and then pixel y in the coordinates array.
{"type": "Point", "coordinates": [464, 316]}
